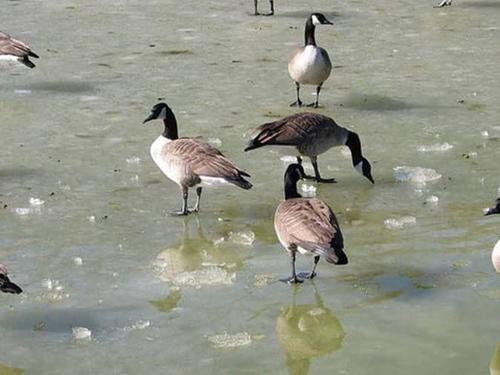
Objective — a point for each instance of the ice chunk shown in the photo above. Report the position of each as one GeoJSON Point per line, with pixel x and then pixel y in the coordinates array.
{"type": "Point", "coordinates": [22, 211]}
{"type": "Point", "coordinates": [206, 276]}
{"type": "Point", "coordinates": [437, 147]}
{"type": "Point", "coordinates": [78, 261]}
{"type": "Point", "coordinates": [133, 160]}
{"type": "Point", "coordinates": [432, 200]}
{"type": "Point", "coordinates": [140, 324]}
{"type": "Point", "coordinates": [226, 340]}
{"type": "Point", "coordinates": [35, 202]}
{"type": "Point", "coordinates": [82, 334]}
{"type": "Point", "coordinates": [399, 223]}
{"type": "Point", "coordinates": [417, 175]}
{"type": "Point", "coordinates": [245, 238]}
{"type": "Point", "coordinates": [485, 134]}
{"type": "Point", "coordinates": [288, 159]}
{"type": "Point", "coordinates": [308, 190]}
{"type": "Point", "coordinates": [91, 219]}
{"type": "Point", "coordinates": [215, 142]}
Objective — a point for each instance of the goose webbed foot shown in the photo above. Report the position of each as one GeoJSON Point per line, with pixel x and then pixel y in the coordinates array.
{"type": "Point", "coordinates": [321, 179]}
{"type": "Point", "coordinates": [313, 105]}
{"type": "Point", "coordinates": [297, 103]}
{"type": "Point", "coordinates": [311, 275]}
{"type": "Point", "coordinates": [179, 213]}
{"type": "Point", "coordinates": [269, 14]}
{"type": "Point", "coordinates": [292, 280]}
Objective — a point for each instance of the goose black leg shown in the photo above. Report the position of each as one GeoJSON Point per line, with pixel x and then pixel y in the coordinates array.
{"type": "Point", "coordinates": [198, 197]}
{"type": "Point", "coordinates": [316, 102]}
{"type": "Point", "coordinates": [184, 210]}
{"type": "Point", "coordinates": [272, 8]}
{"type": "Point", "coordinates": [298, 103]}
{"type": "Point", "coordinates": [312, 275]}
{"type": "Point", "coordinates": [255, 6]}
{"type": "Point", "coordinates": [294, 279]}
{"type": "Point", "coordinates": [317, 176]}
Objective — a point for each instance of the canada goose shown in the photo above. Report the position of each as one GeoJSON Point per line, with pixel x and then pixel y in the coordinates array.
{"type": "Point", "coordinates": [6, 285]}
{"type": "Point", "coordinates": [13, 49]}
{"type": "Point", "coordinates": [311, 64]}
{"type": "Point", "coordinates": [495, 255]}
{"type": "Point", "coordinates": [307, 225]}
{"type": "Point", "coordinates": [443, 3]}
{"type": "Point", "coordinates": [190, 162]}
{"type": "Point", "coordinates": [271, 3]}
{"type": "Point", "coordinates": [311, 134]}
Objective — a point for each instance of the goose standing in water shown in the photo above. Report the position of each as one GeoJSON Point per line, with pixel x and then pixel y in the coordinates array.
{"type": "Point", "coordinates": [6, 285]}
{"type": "Point", "coordinates": [14, 50]}
{"type": "Point", "coordinates": [495, 255]}
{"type": "Point", "coordinates": [307, 226]}
{"type": "Point", "coordinates": [271, 4]}
{"type": "Point", "coordinates": [311, 64]}
{"type": "Point", "coordinates": [311, 134]}
{"type": "Point", "coordinates": [190, 162]}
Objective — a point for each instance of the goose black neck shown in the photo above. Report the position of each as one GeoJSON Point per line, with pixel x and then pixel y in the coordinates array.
{"type": "Point", "coordinates": [309, 33]}
{"type": "Point", "coordinates": [291, 187]}
{"type": "Point", "coordinates": [170, 123]}
{"type": "Point", "coordinates": [355, 146]}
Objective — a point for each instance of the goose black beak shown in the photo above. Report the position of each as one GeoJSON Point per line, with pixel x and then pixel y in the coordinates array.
{"type": "Point", "coordinates": [326, 22]}
{"type": "Point", "coordinates": [491, 211]}
{"type": "Point", "coordinates": [149, 118]}
{"type": "Point", "coordinates": [370, 178]}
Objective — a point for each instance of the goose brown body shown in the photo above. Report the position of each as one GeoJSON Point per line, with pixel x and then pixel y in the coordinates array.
{"type": "Point", "coordinates": [10, 47]}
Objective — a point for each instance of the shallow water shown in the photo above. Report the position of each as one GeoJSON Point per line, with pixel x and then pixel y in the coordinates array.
{"type": "Point", "coordinates": [161, 294]}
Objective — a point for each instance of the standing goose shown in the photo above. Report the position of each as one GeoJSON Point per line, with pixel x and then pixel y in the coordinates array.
{"type": "Point", "coordinates": [271, 3]}
{"type": "Point", "coordinates": [6, 285]}
{"type": "Point", "coordinates": [307, 225]}
{"type": "Point", "coordinates": [311, 64]}
{"type": "Point", "coordinates": [444, 3]}
{"type": "Point", "coordinates": [13, 49]}
{"type": "Point", "coordinates": [311, 134]}
{"type": "Point", "coordinates": [190, 162]}
{"type": "Point", "coordinates": [495, 255]}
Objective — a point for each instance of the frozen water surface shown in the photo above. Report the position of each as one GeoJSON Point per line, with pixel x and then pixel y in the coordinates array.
{"type": "Point", "coordinates": [422, 300]}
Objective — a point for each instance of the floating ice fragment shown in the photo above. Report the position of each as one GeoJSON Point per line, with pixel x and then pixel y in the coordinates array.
{"type": "Point", "coordinates": [246, 238]}
{"type": "Point", "coordinates": [399, 223]}
{"type": "Point", "coordinates": [485, 134]}
{"type": "Point", "coordinates": [416, 175]}
{"type": "Point", "coordinates": [215, 142]}
{"type": "Point", "coordinates": [226, 340]}
{"type": "Point", "coordinates": [432, 200]}
{"type": "Point", "coordinates": [78, 261]}
{"type": "Point", "coordinates": [288, 159]}
{"type": "Point", "coordinates": [91, 218]}
{"type": "Point", "coordinates": [35, 202]}
{"type": "Point", "coordinates": [22, 211]}
{"type": "Point", "coordinates": [205, 276]}
{"type": "Point", "coordinates": [437, 147]}
{"type": "Point", "coordinates": [133, 160]}
{"type": "Point", "coordinates": [308, 190]}
{"type": "Point", "coordinates": [140, 324]}
{"type": "Point", "coordinates": [82, 333]}
{"type": "Point", "coordinates": [23, 92]}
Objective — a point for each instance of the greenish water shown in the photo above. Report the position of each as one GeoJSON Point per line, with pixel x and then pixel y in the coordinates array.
{"type": "Point", "coordinates": [169, 295]}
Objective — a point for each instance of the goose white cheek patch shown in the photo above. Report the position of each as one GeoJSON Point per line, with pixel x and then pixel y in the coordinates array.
{"type": "Point", "coordinates": [315, 21]}
{"type": "Point", "coordinates": [163, 113]}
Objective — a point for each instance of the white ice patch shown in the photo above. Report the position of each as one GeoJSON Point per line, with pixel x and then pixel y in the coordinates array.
{"type": "Point", "coordinates": [78, 261]}
{"type": "Point", "coordinates": [433, 200]}
{"type": "Point", "coordinates": [288, 159]}
{"type": "Point", "coordinates": [35, 202]}
{"type": "Point", "coordinates": [416, 175]}
{"type": "Point", "coordinates": [22, 211]}
{"type": "Point", "coordinates": [485, 134]}
{"type": "Point", "coordinates": [226, 340]}
{"type": "Point", "coordinates": [133, 160]}
{"type": "Point", "coordinates": [82, 334]}
{"type": "Point", "coordinates": [140, 324]}
{"type": "Point", "coordinates": [308, 190]}
{"type": "Point", "coordinates": [438, 147]}
{"type": "Point", "coordinates": [215, 142]}
{"type": "Point", "coordinates": [211, 275]}
{"type": "Point", "coordinates": [400, 222]}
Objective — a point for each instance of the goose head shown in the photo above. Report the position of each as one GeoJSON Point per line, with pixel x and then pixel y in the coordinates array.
{"type": "Point", "coordinates": [493, 210]}
{"type": "Point", "coordinates": [319, 19]}
{"type": "Point", "coordinates": [365, 168]}
{"type": "Point", "coordinates": [6, 285]}
{"type": "Point", "coordinates": [160, 111]}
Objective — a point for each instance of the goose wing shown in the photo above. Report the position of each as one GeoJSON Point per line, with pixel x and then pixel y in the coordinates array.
{"type": "Point", "coordinates": [11, 46]}
{"type": "Point", "coordinates": [203, 159]}
{"type": "Point", "coordinates": [310, 224]}
{"type": "Point", "coordinates": [296, 129]}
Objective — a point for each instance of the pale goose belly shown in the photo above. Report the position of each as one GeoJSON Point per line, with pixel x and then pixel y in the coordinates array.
{"type": "Point", "coordinates": [310, 66]}
{"type": "Point", "coordinates": [495, 256]}
{"type": "Point", "coordinates": [171, 167]}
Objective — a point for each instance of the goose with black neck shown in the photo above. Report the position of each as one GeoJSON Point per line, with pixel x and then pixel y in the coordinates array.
{"type": "Point", "coordinates": [190, 162]}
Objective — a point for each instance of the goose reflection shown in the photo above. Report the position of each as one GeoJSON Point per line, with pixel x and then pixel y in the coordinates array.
{"type": "Point", "coordinates": [495, 362]}
{"type": "Point", "coordinates": [197, 260]}
{"type": "Point", "coordinates": [306, 332]}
